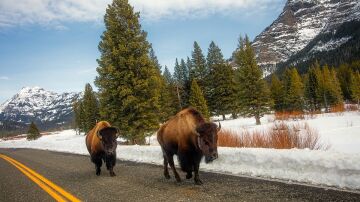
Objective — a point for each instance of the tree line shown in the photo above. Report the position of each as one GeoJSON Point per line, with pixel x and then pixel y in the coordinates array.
{"type": "Point", "coordinates": [135, 95]}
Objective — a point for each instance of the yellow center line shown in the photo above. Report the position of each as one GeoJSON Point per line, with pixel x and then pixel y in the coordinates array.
{"type": "Point", "coordinates": [44, 183]}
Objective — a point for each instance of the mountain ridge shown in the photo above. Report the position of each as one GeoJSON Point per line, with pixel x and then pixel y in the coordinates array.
{"type": "Point", "coordinates": [46, 108]}
{"type": "Point", "coordinates": [301, 22]}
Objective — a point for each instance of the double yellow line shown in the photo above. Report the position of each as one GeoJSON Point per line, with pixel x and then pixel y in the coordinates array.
{"type": "Point", "coordinates": [52, 189]}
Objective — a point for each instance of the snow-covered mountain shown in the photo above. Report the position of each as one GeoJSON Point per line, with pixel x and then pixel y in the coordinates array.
{"type": "Point", "coordinates": [48, 109]}
{"type": "Point", "coordinates": [300, 22]}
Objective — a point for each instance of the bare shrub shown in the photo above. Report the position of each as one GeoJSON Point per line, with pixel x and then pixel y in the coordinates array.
{"type": "Point", "coordinates": [280, 136]}
{"type": "Point", "coordinates": [286, 115]}
{"type": "Point", "coordinates": [340, 108]}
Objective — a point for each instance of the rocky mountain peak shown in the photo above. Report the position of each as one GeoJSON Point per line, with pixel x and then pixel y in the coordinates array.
{"type": "Point", "coordinates": [299, 23]}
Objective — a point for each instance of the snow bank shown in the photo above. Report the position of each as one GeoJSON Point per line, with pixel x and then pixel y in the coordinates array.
{"type": "Point", "coordinates": [329, 168]}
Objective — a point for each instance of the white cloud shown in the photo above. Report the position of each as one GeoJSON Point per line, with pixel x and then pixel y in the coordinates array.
{"type": "Point", "coordinates": [53, 12]}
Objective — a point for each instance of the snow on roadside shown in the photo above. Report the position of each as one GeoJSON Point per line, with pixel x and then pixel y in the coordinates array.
{"type": "Point", "coordinates": [329, 168]}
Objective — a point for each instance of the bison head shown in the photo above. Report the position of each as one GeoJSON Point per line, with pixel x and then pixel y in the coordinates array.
{"type": "Point", "coordinates": [207, 140]}
{"type": "Point", "coordinates": [108, 137]}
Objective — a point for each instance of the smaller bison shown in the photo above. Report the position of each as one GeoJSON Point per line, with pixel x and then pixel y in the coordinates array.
{"type": "Point", "coordinates": [190, 137]}
{"type": "Point", "coordinates": [101, 144]}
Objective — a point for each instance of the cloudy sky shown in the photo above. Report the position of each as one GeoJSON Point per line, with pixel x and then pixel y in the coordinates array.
{"type": "Point", "coordinates": [53, 43]}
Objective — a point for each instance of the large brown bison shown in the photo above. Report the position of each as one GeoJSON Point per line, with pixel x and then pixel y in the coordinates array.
{"type": "Point", "coordinates": [190, 137]}
{"type": "Point", "coordinates": [101, 144]}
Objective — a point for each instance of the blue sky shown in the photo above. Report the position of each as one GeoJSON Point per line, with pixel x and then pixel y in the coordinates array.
{"type": "Point", "coordinates": [53, 44]}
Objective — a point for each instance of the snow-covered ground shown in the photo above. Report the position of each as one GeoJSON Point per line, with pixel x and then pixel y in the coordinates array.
{"type": "Point", "coordinates": [339, 166]}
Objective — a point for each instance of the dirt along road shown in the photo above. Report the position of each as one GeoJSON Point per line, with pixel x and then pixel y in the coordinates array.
{"type": "Point", "coordinates": [141, 182]}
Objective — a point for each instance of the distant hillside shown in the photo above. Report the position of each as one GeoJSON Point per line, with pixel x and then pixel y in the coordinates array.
{"type": "Point", "coordinates": [47, 109]}
{"type": "Point", "coordinates": [308, 29]}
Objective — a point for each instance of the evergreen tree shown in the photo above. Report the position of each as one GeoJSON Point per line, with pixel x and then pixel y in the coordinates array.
{"type": "Point", "coordinates": [223, 95]}
{"type": "Point", "coordinates": [78, 116]}
{"type": "Point", "coordinates": [189, 68]}
{"type": "Point", "coordinates": [214, 58]}
{"type": "Point", "coordinates": [313, 87]}
{"type": "Point", "coordinates": [197, 99]}
{"type": "Point", "coordinates": [254, 96]}
{"type": "Point", "coordinates": [90, 108]}
{"type": "Point", "coordinates": [277, 93]}
{"type": "Point", "coordinates": [294, 99]}
{"type": "Point", "coordinates": [355, 87]}
{"type": "Point", "coordinates": [181, 77]}
{"type": "Point", "coordinates": [33, 132]}
{"type": "Point", "coordinates": [128, 79]}
{"type": "Point", "coordinates": [331, 91]}
{"type": "Point", "coordinates": [221, 84]}
{"type": "Point", "coordinates": [167, 76]}
{"type": "Point", "coordinates": [344, 75]}
{"type": "Point", "coordinates": [154, 59]}
{"type": "Point", "coordinates": [198, 66]}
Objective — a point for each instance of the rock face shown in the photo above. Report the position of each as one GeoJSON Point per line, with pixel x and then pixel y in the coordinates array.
{"type": "Point", "coordinates": [47, 109]}
{"type": "Point", "coordinates": [299, 23]}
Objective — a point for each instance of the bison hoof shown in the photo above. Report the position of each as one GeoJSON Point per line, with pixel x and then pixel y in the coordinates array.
{"type": "Point", "coordinates": [188, 175]}
{"type": "Point", "coordinates": [98, 172]}
{"type": "Point", "coordinates": [167, 176]}
{"type": "Point", "coordinates": [112, 174]}
{"type": "Point", "coordinates": [198, 182]}
{"type": "Point", "coordinates": [178, 179]}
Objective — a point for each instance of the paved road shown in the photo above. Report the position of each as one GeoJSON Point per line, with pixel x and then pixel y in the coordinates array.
{"type": "Point", "coordinates": [142, 182]}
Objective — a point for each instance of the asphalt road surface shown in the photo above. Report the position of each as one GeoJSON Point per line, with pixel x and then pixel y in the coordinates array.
{"type": "Point", "coordinates": [142, 182]}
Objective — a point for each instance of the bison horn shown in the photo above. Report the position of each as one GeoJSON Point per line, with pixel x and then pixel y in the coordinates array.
{"type": "Point", "coordinates": [118, 131]}
{"type": "Point", "coordinates": [219, 127]}
{"type": "Point", "coordinates": [98, 134]}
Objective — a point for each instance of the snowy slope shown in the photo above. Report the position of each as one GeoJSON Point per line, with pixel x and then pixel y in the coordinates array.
{"type": "Point", "coordinates": [299, 23]}
{"type": "Point", "coordinates": [36, 104]}
{"type": "Point", "coordinates": [339, 166]}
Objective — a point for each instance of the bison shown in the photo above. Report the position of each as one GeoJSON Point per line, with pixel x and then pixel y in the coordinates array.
{"type": "Point", "coordinates": [101, 144]}
{"type": "Point", "coordinates": [190, 137]}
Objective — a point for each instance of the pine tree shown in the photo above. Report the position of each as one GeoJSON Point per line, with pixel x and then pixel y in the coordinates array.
{"type": "Point", "coordinates": [181, 77]}
{"type": "Point", "coordinates": [254, 96]}
{"type": "Point", "coordinates": [355, 87]}
{"type": "Point", "coordinates": [220, 83]}
{"type": "Point", "coordinates": [223, 96]}
{"type": "Point", "coordinates": [313, 87]}
{"type": "Point", "coordinates": [128, 79]}
{"type": "Point", "coordinates": [277, 93]}
{"type": "Point", "coordinates": [294, 99]}
{"type": "Point", "coordinates": [331, 91]}
{"type": "Point", "coordinates": [154, 59]}
{"type": "Point", "coordinates": [197, 99]}
{"type": "Point", "coordinates": [199, 68]}
{"type": "Point", "coordinates": [33, 132]}
{"type": "Point", "coordinates": [78, 115]}
{"type": "Point", "coordinates": [90, 107]}
{"type": "Point", "coordinates": [167, 76]}
{"type": "Point", "coordinates": [344, 75]}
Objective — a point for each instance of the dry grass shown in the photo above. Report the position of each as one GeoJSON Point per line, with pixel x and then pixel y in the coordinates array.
{"type": "Point", "coordinates": [280, 136]}
{"type": "Point", "coordinates": [340, 108]}
{"type": "Point", "coordinates": [286, 115]}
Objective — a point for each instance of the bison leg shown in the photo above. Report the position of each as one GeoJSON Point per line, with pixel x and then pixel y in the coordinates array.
{"type": "Point", "coordinates": [196, 172]}
{"type": "Point", "coordinates": [189, 175]}
{"type": "Point", "coordinates": [171, 163]}
{"type": "Point", "coordinates": [166, 170]}
{"type": "Point", "coordinates": [110, 163]}
{"type": "Point", "coordinates": [98, 163]}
